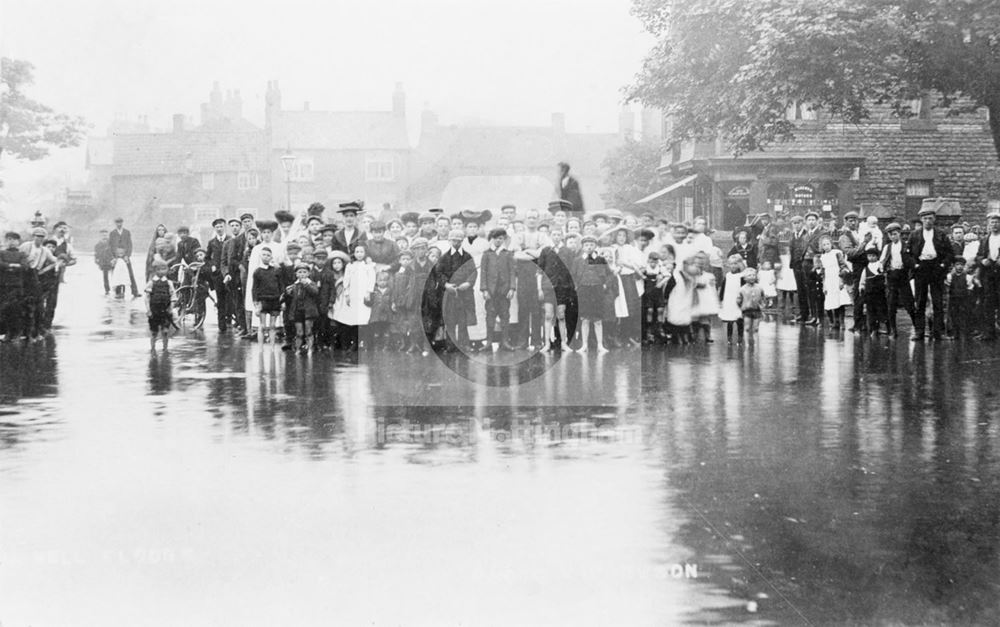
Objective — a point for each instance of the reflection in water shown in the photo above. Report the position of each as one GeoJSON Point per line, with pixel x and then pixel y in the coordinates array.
{"type": "Point", "coordinates": [827, 480]}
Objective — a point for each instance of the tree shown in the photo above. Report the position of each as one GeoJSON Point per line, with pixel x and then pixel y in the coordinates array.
{"type": "Point", "coordinates": [731, 68]}
{"type": "Point", "coordinates": [630, 172]}
{"type": "Point", "coordinates": [28, 129]}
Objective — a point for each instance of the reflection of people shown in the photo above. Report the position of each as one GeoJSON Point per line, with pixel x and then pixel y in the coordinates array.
{"type": "Point", "coordinates": [569, 189]}
{"type": "Point", "coordinates": [121, 237]}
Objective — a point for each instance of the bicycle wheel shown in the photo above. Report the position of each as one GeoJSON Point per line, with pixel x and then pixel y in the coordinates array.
{"type": "Point", "coordinates": [199, 319]}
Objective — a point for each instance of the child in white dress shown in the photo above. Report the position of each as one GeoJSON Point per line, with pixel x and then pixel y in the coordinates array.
{"type": "Point", "coordinates": [730, 311]}
{"type": "Point", "coordinates": [785, 283]}
{"type": "Point", "coordinates": [768, 282]}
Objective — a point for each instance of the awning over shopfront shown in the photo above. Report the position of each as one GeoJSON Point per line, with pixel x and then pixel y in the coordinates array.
{"type": "Point", "coordinates": [687, 180]}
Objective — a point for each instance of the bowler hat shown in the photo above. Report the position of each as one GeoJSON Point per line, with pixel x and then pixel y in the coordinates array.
{"type": "Point", "coordinates": [477, 217]}
{"type": "Point", "coordinates": [353, 206]}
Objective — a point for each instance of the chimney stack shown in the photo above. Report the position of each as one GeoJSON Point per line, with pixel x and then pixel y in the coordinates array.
{"type": "Point", "coordinates": [178, 122]}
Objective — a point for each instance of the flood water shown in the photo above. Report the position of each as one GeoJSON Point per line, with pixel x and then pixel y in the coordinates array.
{"type": "Point", "coordinates": [809, 479]}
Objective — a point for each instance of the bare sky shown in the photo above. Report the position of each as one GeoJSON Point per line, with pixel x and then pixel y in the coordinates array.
{"type": "Point", "coordinates": [506, 61]}
{"type": "Point", "coordinates": [497, 61]}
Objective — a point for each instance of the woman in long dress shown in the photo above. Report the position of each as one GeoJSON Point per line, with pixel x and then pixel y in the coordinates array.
{"type": "Point", "coordinates": [475, 244]}
{"type": "Point", "coordinates": [836, 298]}
{"type": "Point", "coordinates": [159, 234]}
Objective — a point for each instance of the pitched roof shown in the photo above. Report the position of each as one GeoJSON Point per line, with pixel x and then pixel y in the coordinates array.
{"type": "Point", "coordinates": [198, 150]}
{"type": "Point", "coordinates": [339, 130]}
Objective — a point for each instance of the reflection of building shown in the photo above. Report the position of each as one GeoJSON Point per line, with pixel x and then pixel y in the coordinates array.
{"type": "Point", "coordinates": [886, 166]}
{"type": "Point", "coordinates": [339, 155]}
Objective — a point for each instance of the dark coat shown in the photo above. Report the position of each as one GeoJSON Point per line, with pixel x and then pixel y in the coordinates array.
{"type": "Point", "coordinates": [340, 242]}
{"type": "Point", "coordinates": [571, 193]}
{"type": "Point", "coordinates": [215, 256]}
{"type": "Point", "coordinates": [185, 249]}
{"type": "Point", "coordinates": [303, 297]}
{"type": "Point", "coordinates": [496, 272]}
{"type": "Point", "coordinates": [456, 267]}
{"type": "Point", "coordinates": [122, 240]}
{"type": "Point", "coordinates": [381, 304]}
{"type": "Point", "coordinates": [942, 246]}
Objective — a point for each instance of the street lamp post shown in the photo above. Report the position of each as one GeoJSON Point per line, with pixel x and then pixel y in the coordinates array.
{"type": "Point", "coordinates": [287, 161]}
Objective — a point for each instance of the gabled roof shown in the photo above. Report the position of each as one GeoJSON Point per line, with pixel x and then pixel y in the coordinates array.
{"type": "Point", "coordinates": [339, 130]}
{"type": "Point", "coordinates": [234, 149]}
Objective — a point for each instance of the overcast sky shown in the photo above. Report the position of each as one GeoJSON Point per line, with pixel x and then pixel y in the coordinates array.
{"type": "Point", "coordinates": [498, 61]}
{"type": "Point", "coordinates": [508, 61]}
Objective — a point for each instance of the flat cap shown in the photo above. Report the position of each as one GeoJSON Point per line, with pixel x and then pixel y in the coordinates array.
{"type": "Point", "coordinates": [893, 226]}
{"type": "Point", "coordinates": [419, 242]}
{"type": "Point", "coordinates": [39, 232]}
{"type": "Point", "coordinates": [926, 211]}
{"type": "Point", "coordinates": [851, 214]}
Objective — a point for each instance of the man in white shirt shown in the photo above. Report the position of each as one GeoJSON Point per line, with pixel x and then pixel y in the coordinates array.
{"type": "Point", "coordinates": [933, 252]}
{"type": "Point", "coordinates": [989, 259]}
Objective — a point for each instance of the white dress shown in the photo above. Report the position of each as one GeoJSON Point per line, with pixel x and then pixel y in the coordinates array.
{"type": "Point", "coordinates": [833, 285]}
{"type": "Point", "coordinates": [680, 300]}
{"type": "Point", "coordinates": [706, 299]}
{"type": "Point", "coordinates": [359, 281]}
{"type": "Point", "coordinates": [477, 331]}
{"type": "Point", "coordinates": [786, 276]}
{"type": "Point", "coordinates": [730, 310]}
{"type": "Point", "coordinates": [768, 283]}
{"type": "Point", "coordinates": [277, 258]}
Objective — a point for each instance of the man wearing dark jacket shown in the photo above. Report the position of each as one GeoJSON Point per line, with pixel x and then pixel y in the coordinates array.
{"type": "Point", "coordinates": [988, 259]}
{"type": "Point", "coordinates": [121, 237]}
{"type": "Point", "coordinates": [215, 259]}
{"type": "Point", "coordinates": [569, 190]}
{"type": "Point", "coordinates": [898, 264]}
{"type": "Point", "coordinates": [496, 282]}
{"type": "Point", "coordinates": [932, 251]}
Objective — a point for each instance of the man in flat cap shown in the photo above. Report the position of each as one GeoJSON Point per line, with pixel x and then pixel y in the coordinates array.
{"type": "Point", "coordinates": [232, 251]}
{"type": "Point", "coordinates": [214, 259]}
{"type": "Point", "coordinates": [569, 189]}
{"type": "Point", "coordinates": [898, 264]}
{"type": "Point", "coordinates": [13, 283]}
{"type": "Point", "coordinates": [120, 237]}
{"type": "Point", "coordinates": [932, 250]}
{"type": "Point", "coordinates": [988, 259]}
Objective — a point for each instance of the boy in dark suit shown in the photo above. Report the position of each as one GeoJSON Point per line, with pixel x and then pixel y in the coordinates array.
{"type": "Point", "coordinates": [933, 253]}
{"type": "Point", "coordinates": [497, 283]}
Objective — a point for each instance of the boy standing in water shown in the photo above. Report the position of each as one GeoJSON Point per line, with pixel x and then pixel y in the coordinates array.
{"type": "Point", "coordinates": [160, 299]}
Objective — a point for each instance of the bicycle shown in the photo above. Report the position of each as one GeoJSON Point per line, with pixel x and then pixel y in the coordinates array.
{"type": "Point", "coordinates": [191, 295]}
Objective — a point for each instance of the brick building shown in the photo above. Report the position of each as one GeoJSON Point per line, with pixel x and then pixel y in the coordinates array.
{"type": "Point", "coordinates": [191, 176]}
{"type": "Point", "coordinates": [339, 155]}
{"type": "Point", "coordinates": [885, 166]}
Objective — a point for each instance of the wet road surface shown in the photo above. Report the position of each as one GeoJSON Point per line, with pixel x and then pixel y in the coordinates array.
{"type": "Point", "coordinates": [809, 479]}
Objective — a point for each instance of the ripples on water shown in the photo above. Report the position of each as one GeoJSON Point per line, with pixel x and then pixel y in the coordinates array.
{"type": "Point", "coordinates": [825, 480]}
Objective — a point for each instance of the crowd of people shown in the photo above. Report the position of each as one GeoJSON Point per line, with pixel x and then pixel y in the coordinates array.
{"type": "Point", "coordinates": [558, 280]}
{"type": "Point", "coordinates": [568, 281]}
{"type": "Point", "coordinates": [31, 272]}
